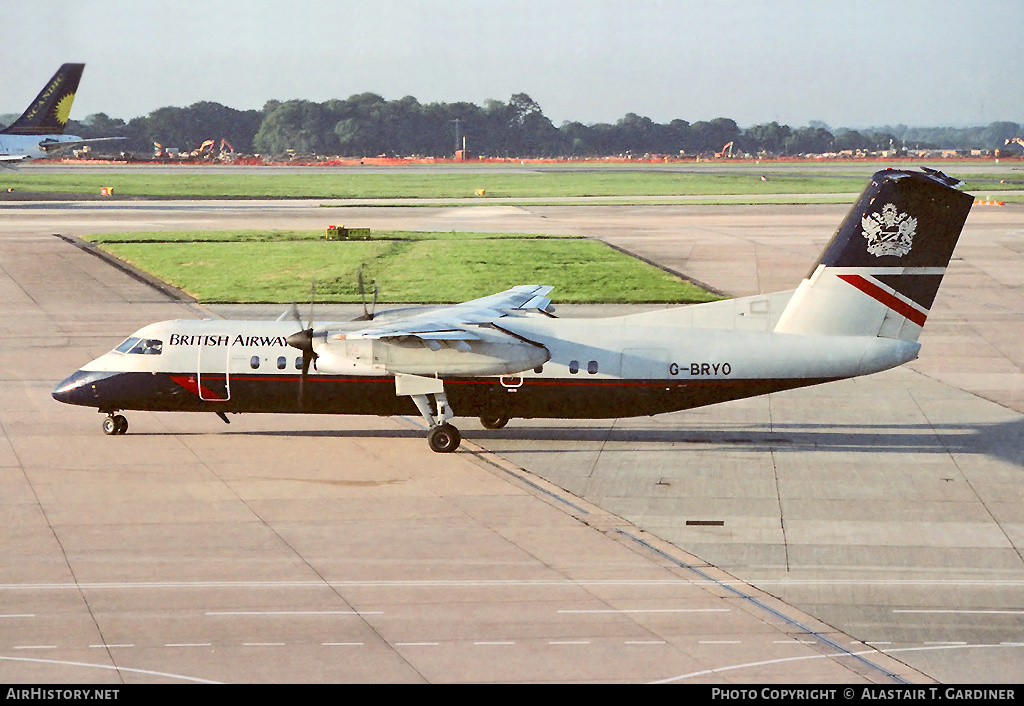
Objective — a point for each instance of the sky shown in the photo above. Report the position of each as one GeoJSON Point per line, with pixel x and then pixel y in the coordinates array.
{"type": "Point", "coordinates": [855, 63]}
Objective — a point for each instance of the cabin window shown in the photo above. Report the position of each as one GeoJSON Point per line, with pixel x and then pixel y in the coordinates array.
{"type": "Point", "coordinates": [254, 362]}
{"type": "Point", "coordinates": [282, 363]}
{"type": "Point", "coordinates": [298, 363]}
{"type": "Point", "coordinates": [539, 369]}
{"type": "Point", "coordinates": [592, 367]}
{"type": "Point", "coordinates": [574, 366]}
{"type": "Point", "coordinates": [141, 346]}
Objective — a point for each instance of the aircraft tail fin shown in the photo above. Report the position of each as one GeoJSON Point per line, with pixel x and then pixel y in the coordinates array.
{"type": "Point", "coordinates": [48, 114]}
{"type": "Point", "coordinates": [879, 274]}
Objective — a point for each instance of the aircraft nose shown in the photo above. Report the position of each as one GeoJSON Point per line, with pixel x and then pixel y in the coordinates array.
{"type": "Point", "coordinates": [77, 388]}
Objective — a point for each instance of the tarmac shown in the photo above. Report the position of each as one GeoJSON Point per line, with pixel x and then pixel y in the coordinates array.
{"type": "Point", "coordinates": [866, 531]}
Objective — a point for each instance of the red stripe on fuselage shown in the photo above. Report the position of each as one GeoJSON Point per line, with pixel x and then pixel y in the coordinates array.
{"type": "Point", "coordinates": [880, 295]}
{"type": "Point", "coordinates": [190, 383]}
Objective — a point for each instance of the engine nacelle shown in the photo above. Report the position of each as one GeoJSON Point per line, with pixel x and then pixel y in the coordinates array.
{"type": "Point", "coordinates": [414, 356]}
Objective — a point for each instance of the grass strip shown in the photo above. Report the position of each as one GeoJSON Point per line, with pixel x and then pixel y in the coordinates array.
{"type": "Point", "coordinates": [375, 185]}
{"type": "Point", "coordinates": [424, 270]}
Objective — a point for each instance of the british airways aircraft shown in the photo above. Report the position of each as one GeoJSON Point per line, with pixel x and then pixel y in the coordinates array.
{"type": "Point", "coordinates": [860, 310]}
{"type": "Point", "coordinates": [39, 132]}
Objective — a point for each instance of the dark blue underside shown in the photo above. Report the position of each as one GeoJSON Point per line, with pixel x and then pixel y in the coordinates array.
{"type": "Point", "coordinates": [572, 398]}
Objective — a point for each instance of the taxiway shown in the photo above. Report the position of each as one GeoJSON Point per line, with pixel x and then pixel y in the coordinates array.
{"type": "Point", "coordinates": [869, 530]}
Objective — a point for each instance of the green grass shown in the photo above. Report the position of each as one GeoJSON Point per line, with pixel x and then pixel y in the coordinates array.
{"type": "Point", "coordinates": [426, 268]}
{"type": "Point", "coordinates": [281, 236]}
{"type": "Point", "coordinates": [405, 185]}
{"type": "Point", "coordinates": [347, 183]}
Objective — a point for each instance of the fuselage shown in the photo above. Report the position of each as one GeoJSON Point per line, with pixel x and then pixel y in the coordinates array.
{"type": "Point", "coordinates": [32, 145]}
{"type": "Point", "coordinates": [597, 368]}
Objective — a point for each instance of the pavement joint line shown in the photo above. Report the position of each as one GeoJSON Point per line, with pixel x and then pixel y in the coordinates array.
{"type": "Point", "coordinates": [487, 457]}
{"type": "Point", "coordinates": [518, 473]}
{"type": "Point", "coordinates": [760, 604]}
{"type": "Point", "coordinates": [133, 272]}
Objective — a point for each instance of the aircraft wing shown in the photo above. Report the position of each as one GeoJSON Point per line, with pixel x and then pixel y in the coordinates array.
{"type": "Point", "coordinates": [9, 159]}
{"type": "Point", "coordinates": [49, 145]}
{"type": "Point", "coordinates": [450, 323]}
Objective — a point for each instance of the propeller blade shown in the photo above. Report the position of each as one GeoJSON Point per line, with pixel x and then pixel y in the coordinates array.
{"type": "Point", "coordinates": [303, 341]}
{"type": "Point", "coordinates": [362, 294]}
{"type": "Point", "coordinates": [312, 299]}
{"type": "Point", "coordinates": [367, 313]}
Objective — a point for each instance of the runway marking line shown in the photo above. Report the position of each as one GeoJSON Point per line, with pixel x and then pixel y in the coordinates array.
{"type": "Point", "coordinates": [652, 610]}
{"type": "Point", "coordinates": [294, 612]}
{"type": "Point", "coordinates": [960, 612]}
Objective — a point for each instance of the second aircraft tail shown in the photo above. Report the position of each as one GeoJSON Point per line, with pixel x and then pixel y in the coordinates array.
{"type": "Point", "coordinates": [49, 112]}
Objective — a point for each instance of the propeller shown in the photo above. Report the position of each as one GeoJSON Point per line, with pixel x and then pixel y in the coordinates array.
{"type": "Point", "coordinates": [367, 315]}
{"type": "Point", "coordinates": [303, 340]}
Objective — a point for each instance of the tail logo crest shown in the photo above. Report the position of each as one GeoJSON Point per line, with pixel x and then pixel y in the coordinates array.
{"type": "Point", "coordinates": [63, 110]}
{"type": "Point", "coordinates": [889, 232]}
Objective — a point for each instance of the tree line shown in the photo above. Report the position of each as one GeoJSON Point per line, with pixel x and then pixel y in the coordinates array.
{"type": "Point", "coordinates": [367, 125]}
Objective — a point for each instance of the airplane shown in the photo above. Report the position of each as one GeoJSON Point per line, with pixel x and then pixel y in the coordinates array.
{"type": "Point", "coordinates": [39, 132]}
{"type": "Point", "coordinates": [860, 310]}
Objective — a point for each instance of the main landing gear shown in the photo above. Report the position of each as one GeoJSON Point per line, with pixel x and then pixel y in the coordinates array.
{"type": "Point", "coordinates": [493, 422]}
{"type": "Point", "coordinates": [443, 438]}
{"type": "Point", "coordinates": [115, 424]}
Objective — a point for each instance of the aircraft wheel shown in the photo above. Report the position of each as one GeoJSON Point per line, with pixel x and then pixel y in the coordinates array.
{"type": "Point", "coordinates": [444, 439]}
{"type": "Point", "coordinates": [493, 422]}
{"type": "Point", "coordinates": [115, 424]}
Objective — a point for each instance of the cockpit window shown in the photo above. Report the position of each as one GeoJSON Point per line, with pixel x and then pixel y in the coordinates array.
{"type": "Point", "coordinates": [141, 346]}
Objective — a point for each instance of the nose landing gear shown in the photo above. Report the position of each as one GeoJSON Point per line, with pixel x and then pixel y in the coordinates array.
{"type": "Point", "coordinates": [115, 424]}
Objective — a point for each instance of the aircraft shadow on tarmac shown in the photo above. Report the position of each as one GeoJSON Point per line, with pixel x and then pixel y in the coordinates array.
{"type": "Point", "coordinates": [1004, 441]}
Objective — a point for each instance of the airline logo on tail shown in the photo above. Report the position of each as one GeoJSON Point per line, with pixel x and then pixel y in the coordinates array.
{"type": "Point", "coordinates": [889, 232]}
{"type": "Point", "coordinates": [62, 110]}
